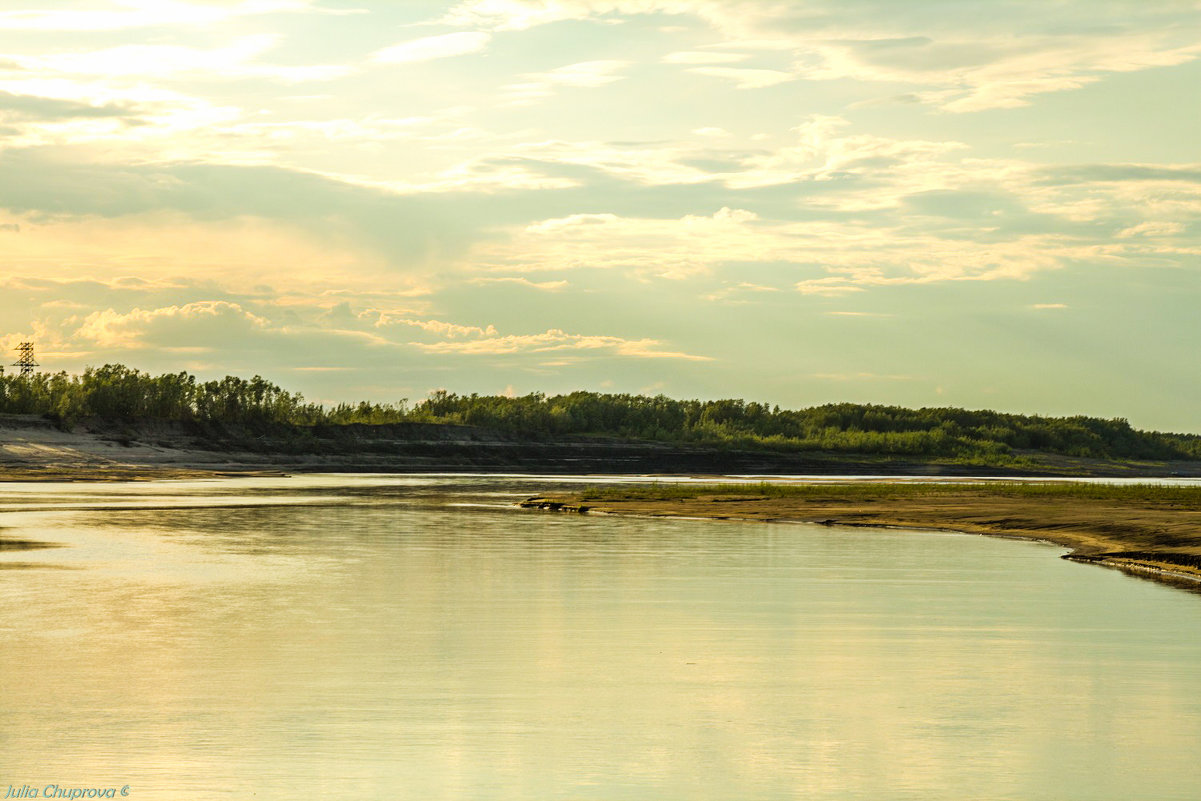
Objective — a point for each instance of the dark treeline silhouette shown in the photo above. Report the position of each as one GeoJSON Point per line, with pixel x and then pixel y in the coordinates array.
{"type": "Point", "coordinates": [115, 392]}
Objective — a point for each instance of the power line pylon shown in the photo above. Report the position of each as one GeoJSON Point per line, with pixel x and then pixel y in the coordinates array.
{"type": "Point", "coordinates": [25, 358]}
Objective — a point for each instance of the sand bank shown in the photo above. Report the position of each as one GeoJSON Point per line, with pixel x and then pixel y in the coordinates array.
{"type": "Point", "coordinates": [1153, 532]}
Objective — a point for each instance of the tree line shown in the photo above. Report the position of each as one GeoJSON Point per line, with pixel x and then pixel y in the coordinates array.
{"type": "Point", "coordinates": [116, 392]}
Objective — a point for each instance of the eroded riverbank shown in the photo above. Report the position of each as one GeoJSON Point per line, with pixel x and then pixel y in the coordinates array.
{"type": "Point", "coordinates": [37, 449]}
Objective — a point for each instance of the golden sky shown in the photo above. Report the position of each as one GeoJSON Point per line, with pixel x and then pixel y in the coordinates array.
{"type": "Point", "coordinates": [988, 204]}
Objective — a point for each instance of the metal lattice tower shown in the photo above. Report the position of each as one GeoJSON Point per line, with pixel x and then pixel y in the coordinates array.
{"type": "Point", "coordinates": [25, 358]}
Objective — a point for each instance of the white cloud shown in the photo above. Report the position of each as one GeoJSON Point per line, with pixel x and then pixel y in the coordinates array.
{"type": "Point", "coordinates": [692, 57]}
{"type": "Point", "coordinates": [856, 314]}
{"type": "Point", "coordinates": [644, 162]}
{"type": "Point", "coordinates": [555, 339]}
{"type": "Point", "coordinates": [573, 221]}
{"type": "Point", "coordinates": [732, 16]}
{"type": "Point", "coordinates": [827, 287]}
{"type": "Point", "coordinates": [957, 62]}
{"type": "Point", "coordinates": [201, 321]}
{"type": "Point", "coordinates": [861, 376]}
{"type": "Point", "coordinates": [235, 60]}
{"type": "Point", "coordinates": [738, 291]}
{"type": "Point", "coordinates": [1151, 228]}
{"type": "Point", "coordinates": [584, 74]}
{"type": "Point", "coordinates": [745, 78]}
{"type": "Point", "coordinates": [542, 286]}
{"type": "Point", "coordinates": [428, 48]}
{"type": "Point", "coordinates": [134, 14]}
{"type": "Point", "coordinates": [438, 327]}
{"type": "Point", "coordinates": [661, 248]}
{"type": "Point", "coordinates": [967, 70]}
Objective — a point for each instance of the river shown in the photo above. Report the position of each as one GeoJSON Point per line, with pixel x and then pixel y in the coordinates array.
{"type": "Point", "coordinates": [417, 637]}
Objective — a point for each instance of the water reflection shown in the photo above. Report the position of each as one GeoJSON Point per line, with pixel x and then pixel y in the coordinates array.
{"type": "Point", "coordinates": [377, 640]}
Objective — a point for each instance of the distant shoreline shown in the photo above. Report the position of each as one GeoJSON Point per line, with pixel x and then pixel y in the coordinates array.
{"type": "Point", "coordinates": [35, 449]}
{"type": "Point", "coordinates": [1149, 532]}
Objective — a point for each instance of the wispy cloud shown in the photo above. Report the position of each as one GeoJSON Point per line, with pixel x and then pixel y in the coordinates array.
{"type": "Point", "coordinates": [584, 74]}
{"type": "Point", "coordinates": [745, 78]}
{"type": "Point", "coordinates": [555, 339]}
{"type": "Point", "coordinates": [960, 65]}
{"type": "Point", "coordinates": [827, 287]}
{"type": "Point", "coordinates": [542, 286]}
{"type": "Point", "coordinates": [438, 327]}
{"type": "Point", "coordinates": [133, 14]}
{"type": "Point", "coordinates": [429, 48]}
{"type": "Point", "coordinates": [862, 376]}
{"type": "Point", "coordinates": [695, 57]}
{"type": "Point", "coordinates": [856, 314]}
{"type": "Point", "coordinates": [235, 60]}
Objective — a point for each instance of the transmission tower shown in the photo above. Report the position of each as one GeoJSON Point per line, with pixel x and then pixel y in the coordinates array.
{"type": "Point", "coordinates": [25, 358]}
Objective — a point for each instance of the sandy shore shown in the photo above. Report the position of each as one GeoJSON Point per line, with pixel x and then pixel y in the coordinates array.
{"type": "Point", "coordinates": [34, 449]}
{"type": "Point", "coordinates": [1157, 538]}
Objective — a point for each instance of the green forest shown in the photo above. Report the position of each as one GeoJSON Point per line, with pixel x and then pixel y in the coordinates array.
{"type": "Point", "coordinates": [116, 392]}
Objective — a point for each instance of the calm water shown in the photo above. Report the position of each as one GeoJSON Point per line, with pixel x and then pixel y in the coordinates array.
{"type": "Point", "coordinates": [415, 638]}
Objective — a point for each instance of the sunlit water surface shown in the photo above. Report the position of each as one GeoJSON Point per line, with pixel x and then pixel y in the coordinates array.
{"type": "Point", "coordinates": [418, 638]}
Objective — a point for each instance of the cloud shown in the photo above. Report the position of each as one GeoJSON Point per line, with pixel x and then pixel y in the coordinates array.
{"type": "Point", "coordinates": [428, 48]}
{"type": "Point", "coordinates": [517, 15]}
{"type": "Point", "coordinates": [1161, 228]}
{"type": "Point", "coordinates": [745, 78]}
{"type": "Point", "coordinates": [965, 67]}
{"type": "Point", "coordinates": [1094, 173]}
{"type": "Point", "coordinates": [203, 323]}
{"type": "Point", "coordinates": [438, 327]}
{"type": "Point", "coordinates": [663, 248]}
{"type": "Point", "coordinates": [555, 339]}
{"type": "Point", "coordinates": [856, 314]}
{"type": "Point", "coordinates": [837, 209]}
{"type": "Point", "coordinates": [137, 61]}
{"type": "Point", "coordinates": [738, 292]}
{"type": "Point", "coordinates": [149, 14]}
{"type": "Point", "coordinates": [959, 61]}
{"type": "Point", "coordinates": [861, 376]}
{"type": "Point", "coordinates": [827, 287]}
{"type": "Point", "coordinates": [408, 231]}
{"type": "Point", "coordinates": [583, 74]}
{"type": "Point", "coordinates": [542, 286]}
{"type": "Point", "coordinates": [692, 57]}
{"type": "Point", "coordinates": [50, 108]}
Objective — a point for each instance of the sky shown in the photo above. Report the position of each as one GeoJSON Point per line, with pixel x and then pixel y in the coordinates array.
{"type": "Point", "coordinates": [990, 204]}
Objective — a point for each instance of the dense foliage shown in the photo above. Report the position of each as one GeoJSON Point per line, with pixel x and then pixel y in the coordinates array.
{"type": "Point", "coordinates": [118, 392]}
{"type": "Point", "coordinates": [841, 427]}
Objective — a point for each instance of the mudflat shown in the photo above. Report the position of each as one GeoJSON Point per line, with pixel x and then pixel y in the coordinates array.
{"type": "Point", "coordinates": [1148, 529]}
